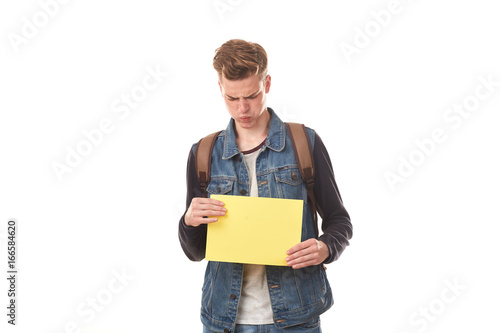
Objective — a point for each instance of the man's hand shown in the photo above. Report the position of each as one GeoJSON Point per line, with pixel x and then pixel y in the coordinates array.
{"type": "Point", "coordinates": [201, 208]}
{"type": "Point", "coordinates": [308, 253]}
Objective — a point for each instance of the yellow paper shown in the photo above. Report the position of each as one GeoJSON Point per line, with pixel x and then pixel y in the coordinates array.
{"type": "Point", "coordinates": [255, 230]}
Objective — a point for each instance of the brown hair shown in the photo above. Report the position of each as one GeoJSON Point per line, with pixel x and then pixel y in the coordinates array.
{"type": "Point", "coordinates": [237, 59]}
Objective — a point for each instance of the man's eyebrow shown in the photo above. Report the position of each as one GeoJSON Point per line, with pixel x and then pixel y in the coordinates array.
{"type": "Point", "coordinates": [251, 95]}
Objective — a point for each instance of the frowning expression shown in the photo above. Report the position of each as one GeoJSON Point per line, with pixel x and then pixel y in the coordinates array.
{"type": "Point", "coordinates": [245, 99]}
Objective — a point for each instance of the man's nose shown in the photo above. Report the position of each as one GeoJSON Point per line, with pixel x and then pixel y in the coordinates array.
{"type": "Point", "coordinates": [243, 105]}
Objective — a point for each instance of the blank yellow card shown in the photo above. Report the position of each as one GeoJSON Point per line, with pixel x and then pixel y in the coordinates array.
{"type": "Point", "coordinates": [254, 230]}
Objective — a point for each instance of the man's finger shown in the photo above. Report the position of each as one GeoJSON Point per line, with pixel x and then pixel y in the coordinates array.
{"type": "Point", "coordinates": [206, 220]}
{"type": "Point", "coordinates": [207, 201]}
{"type": "Point", "coordinates": [304, 264]}
{"type": "Point", "coordinates": [207, 213]}
{"type": "Point", "coordinates": [303, 245]}
{"type": "Point", "coordinates": [300, 259]}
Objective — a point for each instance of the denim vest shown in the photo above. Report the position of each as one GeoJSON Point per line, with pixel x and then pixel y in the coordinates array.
{"type": "Point", "coordinates": [297, 295]}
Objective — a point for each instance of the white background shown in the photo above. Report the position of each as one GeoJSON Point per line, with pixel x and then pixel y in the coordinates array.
{"type": "Point", "coordinates": [118, 210]}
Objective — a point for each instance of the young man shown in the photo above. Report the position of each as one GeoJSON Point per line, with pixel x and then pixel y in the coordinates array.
{"type": "Point", "coordinates": [255, 157]}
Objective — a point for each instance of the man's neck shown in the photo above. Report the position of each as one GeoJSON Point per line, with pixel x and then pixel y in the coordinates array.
{"type": "Point", "coordinates": [248, 138]}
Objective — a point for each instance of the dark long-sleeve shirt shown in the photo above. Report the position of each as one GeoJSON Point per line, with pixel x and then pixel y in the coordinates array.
{"type": "Point", "coordinates": [335, 221]}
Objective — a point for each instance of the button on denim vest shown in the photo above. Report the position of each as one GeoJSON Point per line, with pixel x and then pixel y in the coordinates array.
{"type": "Point", "coordinates": [296, 295]}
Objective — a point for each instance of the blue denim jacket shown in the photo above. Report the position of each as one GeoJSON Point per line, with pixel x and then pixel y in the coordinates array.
{"type": "Point", "coordinates": [297, 295]}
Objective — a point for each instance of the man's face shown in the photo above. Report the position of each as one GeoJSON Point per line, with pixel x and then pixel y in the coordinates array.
{"type": "Point", "coordinates": [245, 99]}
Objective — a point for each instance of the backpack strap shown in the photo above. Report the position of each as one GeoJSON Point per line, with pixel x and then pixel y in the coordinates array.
{"type": "Point", "coordinates": [303, 154]}
{"type": "Point", "coordinates": [204, 160]}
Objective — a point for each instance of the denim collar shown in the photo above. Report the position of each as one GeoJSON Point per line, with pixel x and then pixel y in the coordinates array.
{"type": "Point", "coordinates": [275, 137]}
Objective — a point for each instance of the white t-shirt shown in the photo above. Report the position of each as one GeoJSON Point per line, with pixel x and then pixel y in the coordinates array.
{"type": "Point", "coordinates": [254, 307]}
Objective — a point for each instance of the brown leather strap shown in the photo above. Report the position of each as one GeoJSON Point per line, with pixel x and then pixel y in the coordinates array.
{"type": "Point", "coordinates": [303, 154]}
{"type": "Point", "coordinates": [204, 160]}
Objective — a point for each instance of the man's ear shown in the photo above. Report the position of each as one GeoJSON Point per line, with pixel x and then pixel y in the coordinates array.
{"type": "Point", "coordinates": [220, 87]}
{"type": "Point", "coordinates": [267, 83]}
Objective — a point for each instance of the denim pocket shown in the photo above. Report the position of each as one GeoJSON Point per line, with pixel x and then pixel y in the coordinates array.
{"type": "Point", "coordinates": [208, 286]}
{"type": "Point", "coordinates": [220, 186]}
{"type": "Point", "coordinates": [290, 184]}
{"type": "Point", "coordinates": [310, 325]}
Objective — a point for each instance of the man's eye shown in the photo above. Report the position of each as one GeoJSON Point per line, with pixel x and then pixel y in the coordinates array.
{"type": "Point", "coordinates": [254, 96]}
